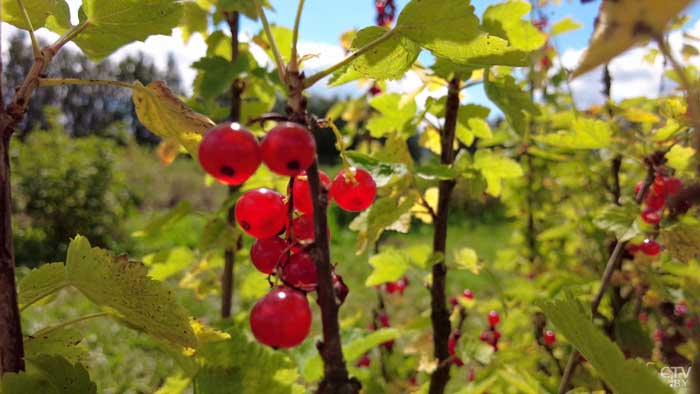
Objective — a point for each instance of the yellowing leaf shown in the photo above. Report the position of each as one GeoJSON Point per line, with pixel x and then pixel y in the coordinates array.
{"type": "Point", "coordinates": [641, 116]}
{"type": "Point", "coordinates": [168, 117]}
{"type": "Point", "coordinates": [430, 139]}
{"type": "Point", "coordinates": [420, 211]}
{"type": "Point", "coordinates": [167, 151]}
{"type": "Point", "coordinates": [624, 23]}
{"type": "Point", "coordinates": [41, 282]}
{"type": "Point", "coordinates": [123, 289]}
{"type": "Point", "coordinates": [679, 157]}
{"type": "Point", "coordinates": [564, 26]}
{"type": "Point", "coordinates": [494, 168]}
{"type": "Point", "coordinates": [466, 258]}
{"type": "Point", "coordinates": [584, 134]}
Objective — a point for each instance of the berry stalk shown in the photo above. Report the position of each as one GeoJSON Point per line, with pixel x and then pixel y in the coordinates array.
{"type": "Point", "coordinates": [440, 315]}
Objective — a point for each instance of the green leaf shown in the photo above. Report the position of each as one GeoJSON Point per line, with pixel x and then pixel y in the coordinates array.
{"type": "Point", "coordinates": [495, 168]}
{"type": "Point", "coordinates": [389, 266]}
{"type": "Point", "coordinates": [259, 97]}
{"type": "Point", "coordinates": [436, 171]}
{"type": "Point", "coordinates": [38, 11]}
{"type": "Point", "coordinates": [168, 263]}
{"type": "Point", "coordinates": [217, 74]}
{"type": "Point", "coordinates": [195, 20]}
{"type": "Point", "coordinates": [620, 220]}
{"type": "Point", "coordinates": [246, 7]}
{"type": "Point", "coordinates": [163, 221]}
{"type": "Point", "coordinates": [584, 134]}
{"type": "Point", "coordinates": [623, 376]}
{"type": "Point", "coordinates": [123, 289]}
{"type": "Point", "coordinates": [449, 29]}
{"type": "Point", "coordinates": [64, 377]}
{"type": "Point", "coordinates": [59, 20]}
{"type": "Point", "coordinates": [466, 258]}
{"type": "Point", "coordinates": [60, 342]}
{"type": "Point", "coordinates": [313, 368]}
{"type": "Point", "coordinates": [41, 282]}
{"type": "Point", "coordinates": [447, 69]}
{"type": "Point", "coordinates": [679, 157]}
{"type": "Point", "coordinates": [471, 123]}
{"type": "Point", "coordinates": [233, 366]}
{"type": "Point", "coordinates": [283, 38]}
{"type": "Point", "coordinates": [515, 103]}
{"type": "Point", "coordinates": [388, 60]}
{"type": "Point", "coordinates": [504, 20]}
{"type": "Point", "coordinates": [115, 23]}
{"type": "Point", "coordinates": [565, 25]}
{"type": "Point", "coordinates": [394, 115]}
{"type": "Point", "coordinates": [23, 383]}
{"type": "Point", "coordinates": [383, 214]}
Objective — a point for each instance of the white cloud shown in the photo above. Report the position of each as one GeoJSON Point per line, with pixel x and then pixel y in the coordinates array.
{"type": "Point", "coordinates": [632, 76]}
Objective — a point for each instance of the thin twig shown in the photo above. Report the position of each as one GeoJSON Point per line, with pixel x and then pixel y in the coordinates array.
{"type": "Point", "coordinates": [45, 82]}
{"type": "Point", "coordinates": [279, 62]}
{"type": "Point", "coordinates": [294, 61]}
{"type": "Point", "coordinates": [310, 81]}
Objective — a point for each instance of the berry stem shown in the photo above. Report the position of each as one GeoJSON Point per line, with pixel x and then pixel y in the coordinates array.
{"type": "Point", "coordinates": [44, 82]}
{"type": "Point", "coordinates": [440, 315]}
{"type": "Point", "coordinates": [340, 144]}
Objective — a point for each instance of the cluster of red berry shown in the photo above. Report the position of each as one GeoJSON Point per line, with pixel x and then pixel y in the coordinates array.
{"type": "Point", "coordinates": [396, 287]}
{"type": "Point", "coordinates": [386, 12]}
{"type": "Point", "coordinates": [231, 154]}
{"type": "Point", "coordinates": [654, 202]}
{"type": "Point", "coordinates": [491, 336]}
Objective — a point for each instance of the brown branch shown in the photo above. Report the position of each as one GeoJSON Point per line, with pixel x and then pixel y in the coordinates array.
{"type": "Point", "coordinates": [440, 315]}
{"type": "Point", "coordinates": [227, 277]}
{"type": "Point", "coordinates": [336, 379]}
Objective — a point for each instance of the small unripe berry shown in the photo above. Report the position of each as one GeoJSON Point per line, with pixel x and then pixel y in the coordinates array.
{"type": "Point", "coordinates": [281, 319]}
{"type": "Point", "coordinates": [230, 153]}
{"type": "Point", "coordinates": [267, 253]}
{"type": "Point", "coordinates": [288, 149]}
{"type": "Point", "coordinates": [261, 213]}
{"type": "Point", "coordinates": [354, 196]}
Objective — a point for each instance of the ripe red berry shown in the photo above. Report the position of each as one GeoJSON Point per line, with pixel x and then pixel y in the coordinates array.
{"type": "Point", "coordinates": [288, 149]}
{"type": "Point", "coordinates": [364, 362]}
{"type": "Point", "coordinates": [302, 192]}
{"type": "Point", "coordinates": [300, 272]}
{"type": "Point", "coordinates": [654, 201]}
{"type": "Point", "coordinates": [659, 335]}
{"type": "Point", "coordinates": [354, 196]}
{"type": "Point", "coordinates": [453, 301]}
{"type": "Point", "coordinates": [680, 309]}
{"type": "Point", "coordinates": [261, 213]}
{"type": "Point", "coordinates": [651, 216]}
{"type": "Point", "coordinates": [384, 320]}
{"type": "Point", "coordinates": [230, 153]}
{"type": "Point", "coordinates": [472, 375]}
{"type": "Point", "coordinates": [673, 186]}
{"type": "Point", "coordinates": [413, 380]}
{"type": "Point", "coordinates": [650, 247]}
{"type": "Point", "coordinates": [549, 337]}
{"type": "Point", "coordinates": [659, 185]}
{"type": "Point", "coordinates": [281, 319]}
{"type": "Point", "coordinates": [267, 253]}
{"type": "Point", "coordinates": [494, 318]}
{"type": "Point", "coordinates": [468, 294]}
{"type": "Point", "coordinates": [397, 287]}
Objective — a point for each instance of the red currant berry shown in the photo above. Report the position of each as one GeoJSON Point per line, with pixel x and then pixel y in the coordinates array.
{"type": "Point", "coordinates": [680, 309]}
{"type": "Point", "coordinates": [288, 149]}
{"type": "Point", "coordinates": [659, 185]}
{"type": "Point", "coordinates": [691, 323]}
{"type": "Point", "coordinates": [485, 336]}
{"type": "Point", "coordinates": [494, 318]}
{"type": "Point", "coordinates": [659, 335]}
{"type": "Point", "coordinates": [384, 320]}
{"type": "Point", "coordinates": [230, 153]}
{"type": "Point", "coordinates": [300, 272]}
{"type": "Point", "coordinates": [302, 192]}
{"type": "Point", "coordinates": [354, 196]}
{"type": "Point", "coordinates": [496, 335]}
{"type": "Point", "coordinates": [654, 201]}
{"type": "Point", "coordinates": [549, 337]}
{"type": "Point", "coordinates": [651, 216]}
{"type": "Point", "coordinates": [453, 301]}
{"type": "Point", "coordinates": [413, 380]}
{"type": "Point", "coordinates": [472, 375]}
{"type": "Point", "coordinates": [467, 294]}
{"type": "Point", "coordinates": [650, 247]}
{"type": "Point", "coordinates": [673, 186]}
{"type": "Point", "coordinates": [281, 319]}
{"type": "Point", "coordinates": [267, 253]}
{"type": "Point", "coordinates": [375, 90]}
{"type": "Point", "coordinates": [261, 213]}
{"type": "Point", "coordinates": [364, 361]}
